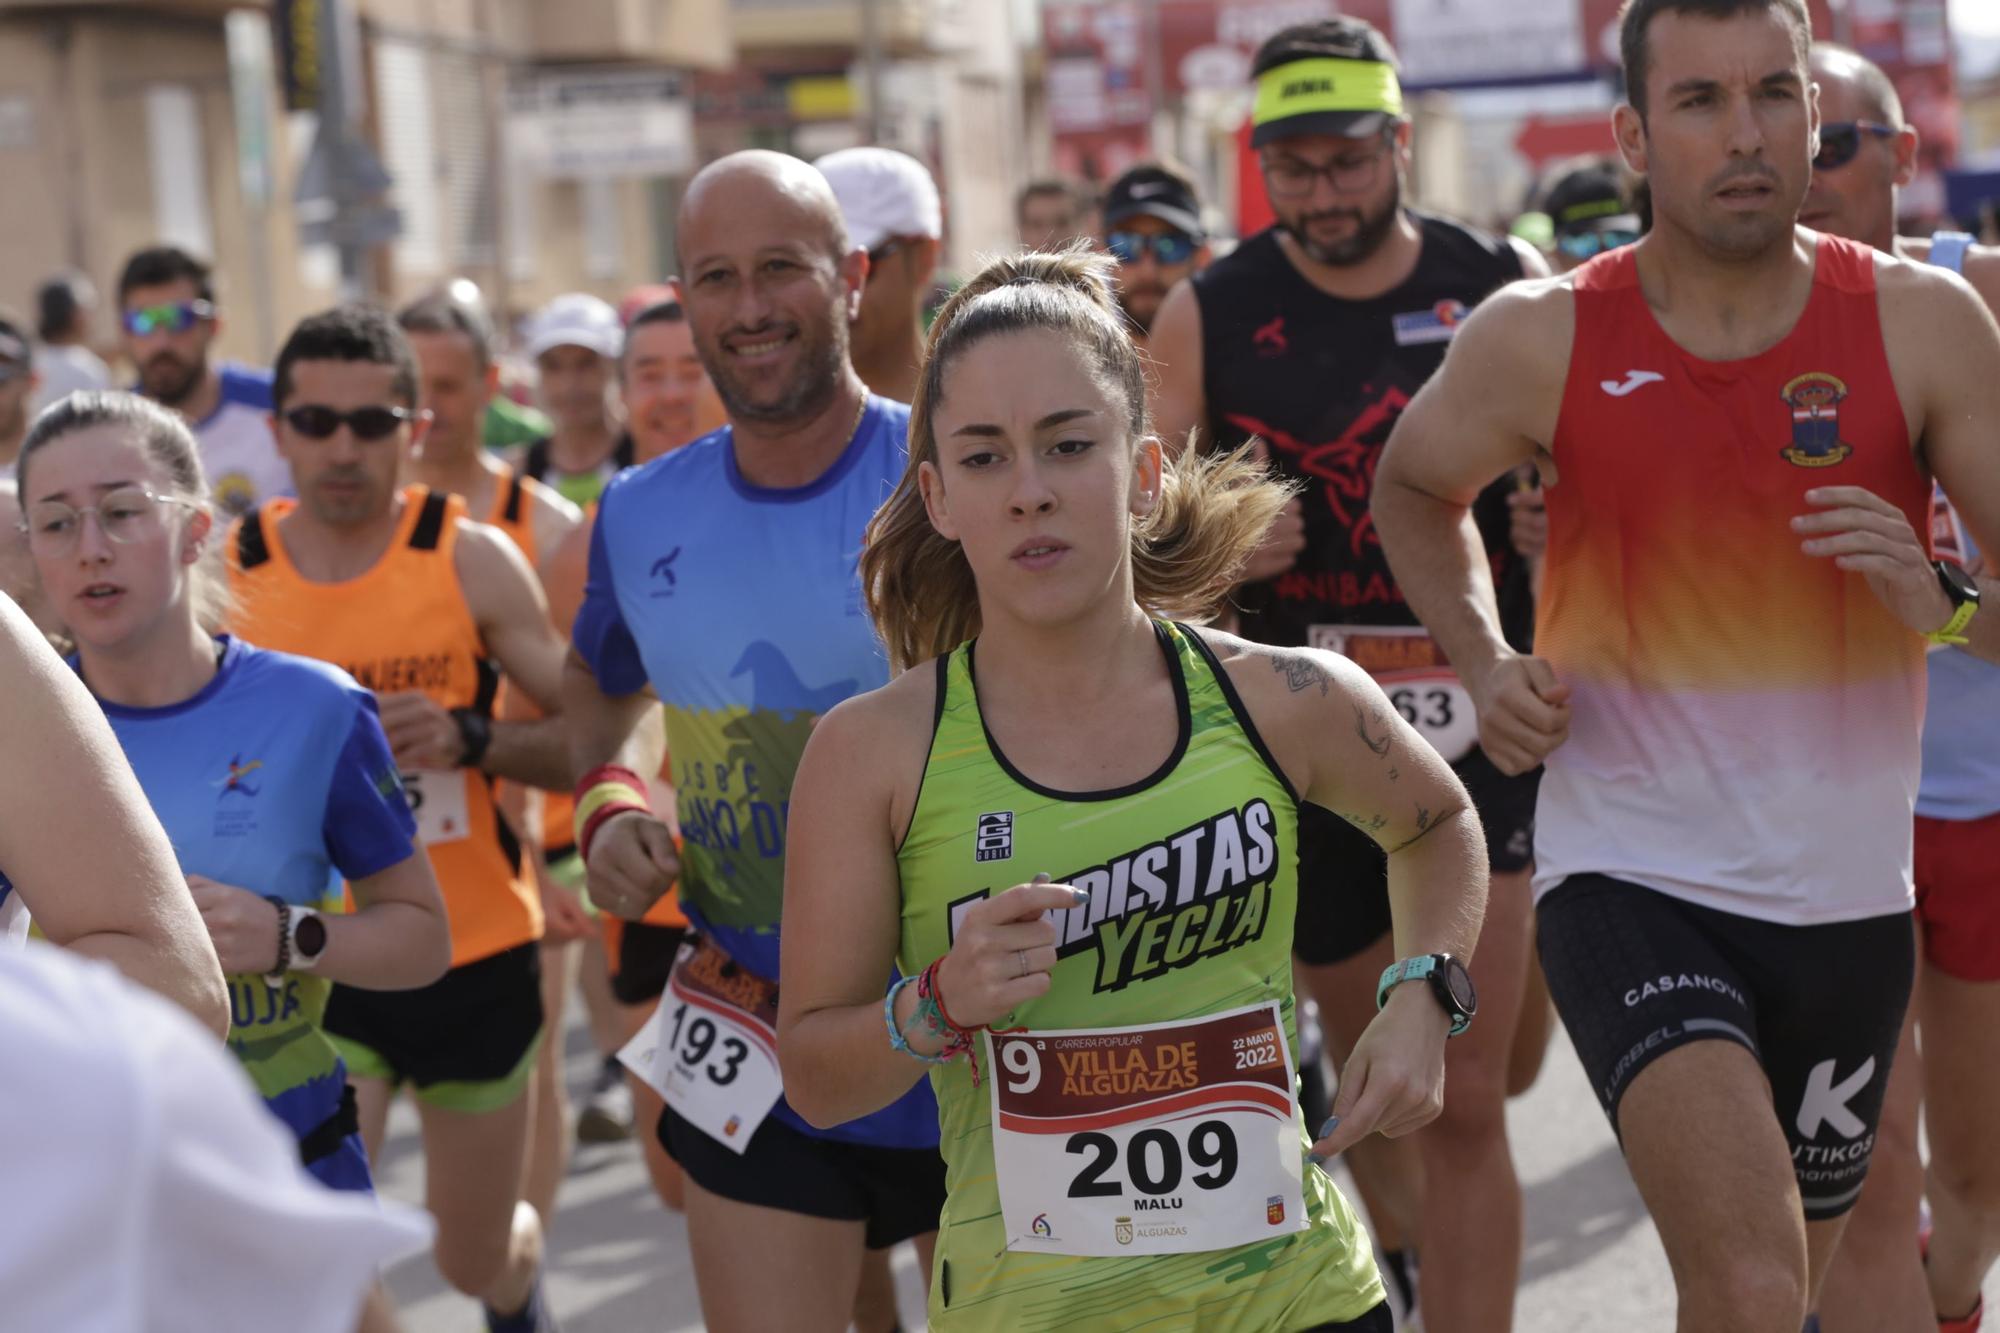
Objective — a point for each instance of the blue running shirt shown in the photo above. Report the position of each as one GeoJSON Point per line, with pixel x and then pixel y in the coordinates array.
{"type": "Point", "coordinates": [1961, 773]}
{"type": "Point", "coordinates": [741, 606]}
{"type": "Point", "coordinates": [276, 778]}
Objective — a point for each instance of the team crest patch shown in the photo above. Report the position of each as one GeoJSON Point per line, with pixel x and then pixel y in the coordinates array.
{"type": "Point", "coordinates": [1815, 399]}
{"type": "Point", "coordinates": [1439, 324]}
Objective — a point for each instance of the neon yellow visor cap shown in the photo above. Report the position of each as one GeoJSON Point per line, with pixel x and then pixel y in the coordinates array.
{"type": "Point", "coordinates": [1325, 95]}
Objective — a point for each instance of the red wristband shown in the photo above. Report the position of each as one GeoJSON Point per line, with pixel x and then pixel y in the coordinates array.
{"type": "Point", "coordinates": [605, 791]}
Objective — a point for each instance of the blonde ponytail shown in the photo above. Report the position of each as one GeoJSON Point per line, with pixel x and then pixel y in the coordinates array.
{"type": "Point", "coordinates": [1212, 512]}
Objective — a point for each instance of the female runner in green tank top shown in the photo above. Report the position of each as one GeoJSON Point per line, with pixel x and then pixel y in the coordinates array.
{"type": "Point", "coordinates": [1071, 824]}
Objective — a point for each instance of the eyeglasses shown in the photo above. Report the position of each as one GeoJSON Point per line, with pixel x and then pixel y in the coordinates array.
{"type": "Point", "coordinates": [1584, 245]}
{"type": "Point", "coordinates": [1170, 248]}
{"type": "Point", "coordinates": [126, 515]}
{"type": "Point", "coordinates": [173, 317]}
{"type": "Point", "coordinates": [1840, 141]}
{"type": "Point", "coordinates": [1289, 177]}
{"type": "Point", "coordinates": [368, 423]}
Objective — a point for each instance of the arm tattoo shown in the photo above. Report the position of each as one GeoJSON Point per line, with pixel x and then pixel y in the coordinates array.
{"type": "Point", "coordinates": [1367, 823]}
{"type": "Point", "coordinates": [1380, 747]}
{"type": "Point", "coordinates": [1427, 824]}
{"type": "Point", "coordinates": [1423, 820]}
{"type": "Point", "coordinates": [1300, 672]}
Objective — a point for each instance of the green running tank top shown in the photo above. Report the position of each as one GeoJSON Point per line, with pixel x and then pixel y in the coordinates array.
{"type": "Point", "coordinates": [1193, 880]}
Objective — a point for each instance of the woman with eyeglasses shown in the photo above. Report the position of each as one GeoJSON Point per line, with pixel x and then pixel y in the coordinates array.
{"type": "Point", "coordinates": [271, 773]}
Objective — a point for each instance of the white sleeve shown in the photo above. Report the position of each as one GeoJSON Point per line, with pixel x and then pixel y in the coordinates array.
{"type": "Point", "coordinates": [242, 1238]}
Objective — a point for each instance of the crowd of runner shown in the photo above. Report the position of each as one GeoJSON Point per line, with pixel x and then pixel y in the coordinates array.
{"type": "Point", "coordinates": [1196, 711]}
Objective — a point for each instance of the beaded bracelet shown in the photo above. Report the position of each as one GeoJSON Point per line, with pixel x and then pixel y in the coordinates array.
{"type": "Point", "coordinates": [898, 1041]}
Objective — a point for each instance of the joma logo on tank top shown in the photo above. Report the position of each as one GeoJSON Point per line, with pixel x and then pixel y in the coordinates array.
{"type": "Point", "coordinates": [1186, 897]}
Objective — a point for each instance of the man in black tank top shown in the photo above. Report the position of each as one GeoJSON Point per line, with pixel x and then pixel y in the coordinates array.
{"type": "Point", "coordinates": [1311, 338]}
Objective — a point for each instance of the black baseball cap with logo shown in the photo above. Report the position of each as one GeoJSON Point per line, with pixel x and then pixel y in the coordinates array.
{"type": "Point", "coordinates": [1154, 191]}
{"type": "Point", "coordinates": [1591, 198]}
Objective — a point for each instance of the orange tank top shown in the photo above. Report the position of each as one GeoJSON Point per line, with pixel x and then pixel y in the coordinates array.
{"type": "Point", "coordinates": [403, 625]}
{"type": "Point", "coordinates": [513, 513]}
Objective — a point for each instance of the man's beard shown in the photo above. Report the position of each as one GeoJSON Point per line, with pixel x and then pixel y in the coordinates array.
{"type": "Point", "coordinates": [811, 388]}
{"type": "Point", "coordinates": [168, 380]}
{"type": "Point", "coordinates": [1370, 231]}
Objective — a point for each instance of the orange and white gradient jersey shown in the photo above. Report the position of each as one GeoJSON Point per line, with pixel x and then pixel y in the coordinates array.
{"type": "Point", "coordinates": [1746, 717]}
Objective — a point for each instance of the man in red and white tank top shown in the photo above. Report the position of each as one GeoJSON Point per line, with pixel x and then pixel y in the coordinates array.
{"type": "Point", "coordinates": [1739, 422]}
{"type": "Point", "coordinates": [1878, 1279]}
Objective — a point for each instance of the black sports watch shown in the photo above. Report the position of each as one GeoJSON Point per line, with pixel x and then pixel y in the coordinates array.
{"type": "Point", "coordinates": [1449, 982]}
{"type": "Point", "coordinates": [308, 938]}
{"type": "Point", "coordinates": [1963, 590]}
{"type": "Point", "coordinates": [475, 732]}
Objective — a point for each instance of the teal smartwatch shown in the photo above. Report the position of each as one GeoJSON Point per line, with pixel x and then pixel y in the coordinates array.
{"type": "Point", "coordinates": [1448, 979]}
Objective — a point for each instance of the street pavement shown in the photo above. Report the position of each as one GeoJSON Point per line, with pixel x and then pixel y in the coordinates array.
{"type": "Point", "coordinates": [619, 1262]}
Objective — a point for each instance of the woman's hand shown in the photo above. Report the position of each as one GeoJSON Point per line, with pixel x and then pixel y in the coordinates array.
{"type": "Point", "coordinates": [242, 926]}
{"type": "Point", "coordinates": [1004, 953]}
{"type": "Point", "coordinates": [1394, 1081]}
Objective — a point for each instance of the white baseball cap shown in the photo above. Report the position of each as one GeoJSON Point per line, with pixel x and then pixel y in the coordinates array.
{"type": "Point", "coordinates": [576, 319]}
{"type": "Point", "coordinates": [883, 193]}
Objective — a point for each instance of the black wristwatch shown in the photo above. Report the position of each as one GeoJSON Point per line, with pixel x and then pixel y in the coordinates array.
{"type": "Point", "coordinates": [1449, 982]}
{"type": "Point", "coordinates": [1963, 590]}
{"type": "Point", "coordinates": [475, 732]}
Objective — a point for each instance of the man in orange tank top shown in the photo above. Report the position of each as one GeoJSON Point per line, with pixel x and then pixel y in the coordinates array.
{"type": "Point", "coordinates": [1729, 681]}
{"type": "Point", "coordinates": [429, 609]}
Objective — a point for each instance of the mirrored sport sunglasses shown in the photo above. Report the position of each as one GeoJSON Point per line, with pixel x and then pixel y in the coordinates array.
{"type": "Point", "coordinates": [1130, 247]}
{"type": "Point", "coordinates": [1841, 140]}
{"type": "Point", "coordinates": [368, 423]}
{"type": "Point", "coordinates": [1586, 245]}
{"type": "Point", "coordinates": [173, 317]}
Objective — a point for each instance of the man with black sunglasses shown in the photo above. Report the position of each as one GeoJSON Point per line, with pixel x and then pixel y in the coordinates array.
{"type": "Point", "coordinates": [1152, 227]}
{"type": "Point", "coordinates": [892, 210]}
{"type": "Point", "coordinates": [430, 610]}
{"type": "Point", "coordinates": [1880, 1280]}
{"type": "Point", "coordinates": [169, 318]}
{"type": "Point", "coordinates": [1311, 337]}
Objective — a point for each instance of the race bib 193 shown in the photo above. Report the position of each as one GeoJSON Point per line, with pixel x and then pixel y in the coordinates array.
{"type": "Point", "coordinates": [438, 800]}
{"type": "Point", "coordinates": [1159, 1139]}
{"type": "Point", "coordinates": [711, 1048]}
{"type": "Point", "coordinates": [1413, 671]}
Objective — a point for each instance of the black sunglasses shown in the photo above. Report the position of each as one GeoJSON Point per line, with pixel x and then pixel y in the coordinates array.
{"type": "Point", "coordinates": [368, 423]}
{"type": "Point", "coordinates": [1841, 140]}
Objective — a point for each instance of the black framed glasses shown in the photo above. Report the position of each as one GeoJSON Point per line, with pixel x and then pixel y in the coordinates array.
{"type": "Point", "coordinates": [1589, 244]}
{"type": "Point", "coordinates": [125, 515]}
{"type": "Point", "coordinates": [368, 423]}
{"type": "Point", "coordinates": [171, 317]}
{"type": "Point", "coordinates": [1289, 177]}
{"type": "Point", "coordinates": [1841, 140]}
{"type": "Point", "coordinates": [1129, 247]}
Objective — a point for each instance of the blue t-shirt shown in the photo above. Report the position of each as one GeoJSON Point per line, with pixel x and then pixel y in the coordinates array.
{"type": "Point", "coordinates": [275, 778]}
{"type": "Point", "coordinates": [1961, 774]}
{"type": "Point", "coordinates": [741, 606]}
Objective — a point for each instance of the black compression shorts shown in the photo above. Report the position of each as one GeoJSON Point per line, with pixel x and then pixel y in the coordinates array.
{"type": "Point", "coordinates": [1636, 973]}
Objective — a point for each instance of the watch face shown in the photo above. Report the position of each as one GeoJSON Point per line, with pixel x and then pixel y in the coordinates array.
{"type": "Point", "coordinates": [1459, 982]}
{"type": "Point", "coordinates": [310, 937]}
{"type": "Point", "coordinates": [1960, 585]}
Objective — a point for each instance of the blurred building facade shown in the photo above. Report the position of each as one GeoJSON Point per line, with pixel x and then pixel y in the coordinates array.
{"type": "Point", "coordinates": [535, 146]}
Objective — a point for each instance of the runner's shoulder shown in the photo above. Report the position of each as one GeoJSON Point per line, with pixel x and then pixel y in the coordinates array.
{"type": "Point", "coordinates": [1287, 691]}
{"type": "Point", "coordinates": [879, 741]}
{"type": "Point", "coordinates": [1980, 268]}
{"type": "Point", "coordinates": [1933, 310]}
{"type": "Point", "coordinates": [244, 386]}
{"type": "Point", "coordinates": [299, 685]}
{"type": "Point", "coordinates": [1524, 328]}
{"type": "Point", "coordinates": [699, 462]}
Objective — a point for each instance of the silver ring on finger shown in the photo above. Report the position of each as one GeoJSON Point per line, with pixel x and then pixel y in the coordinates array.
{"type": "Point", "coordinates": [1021, 956]}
